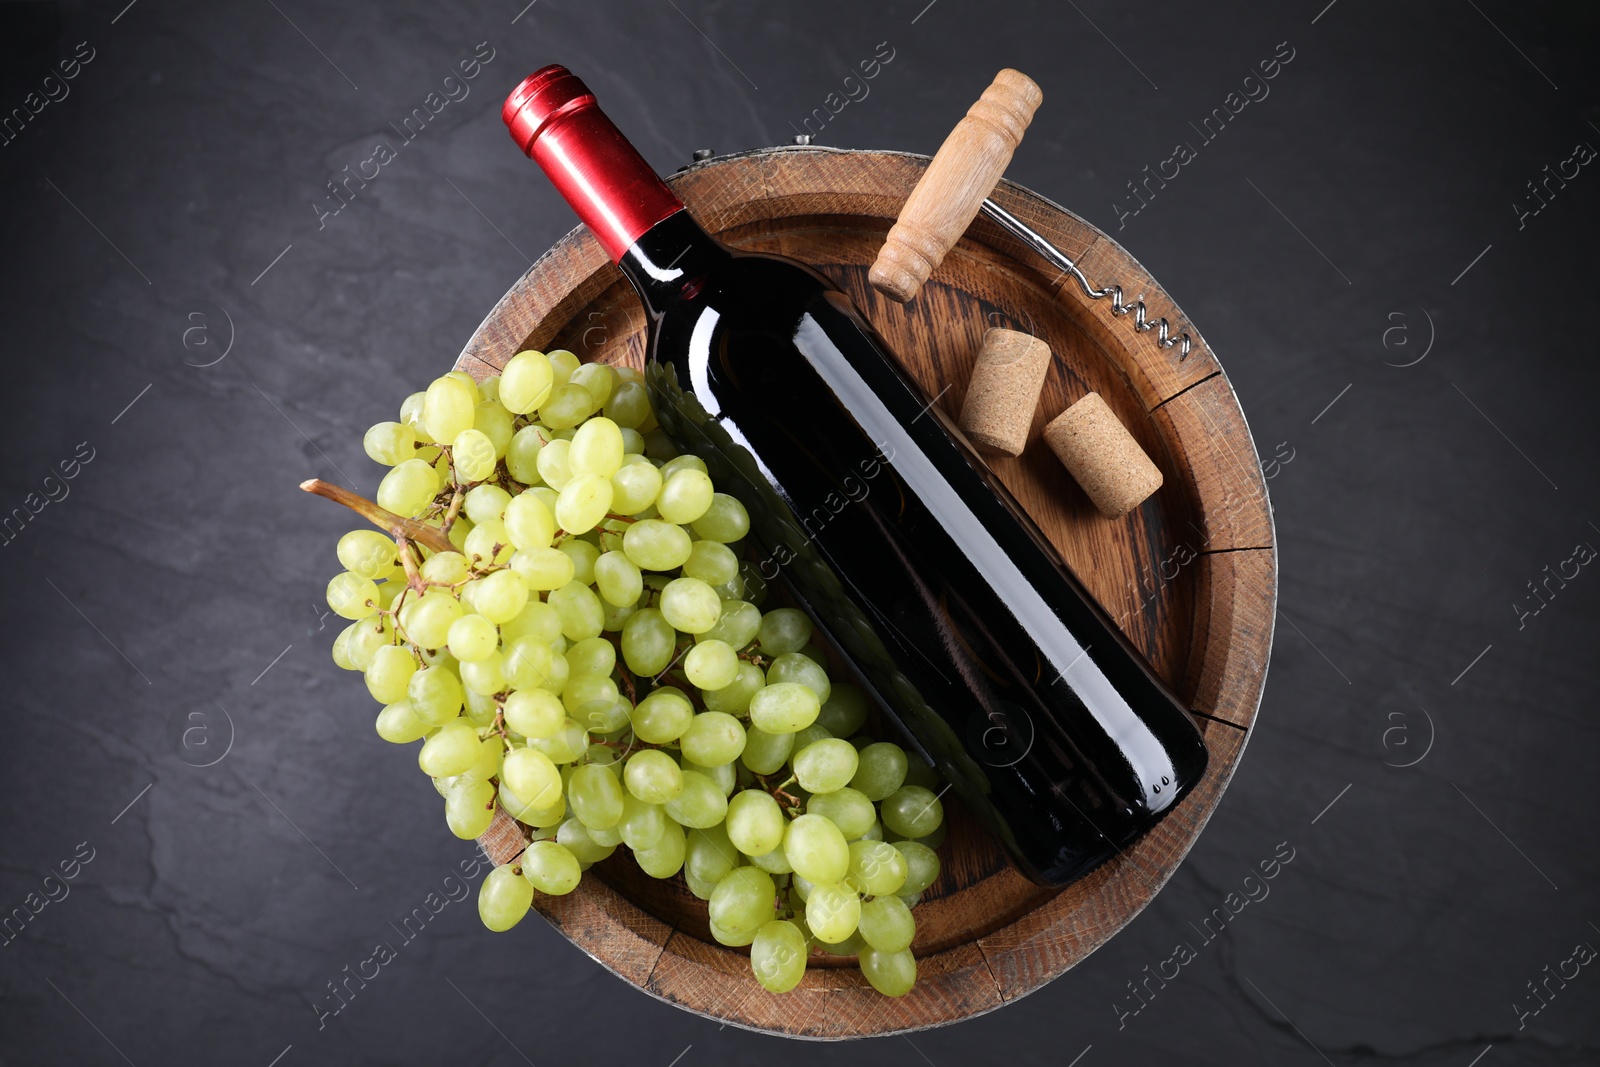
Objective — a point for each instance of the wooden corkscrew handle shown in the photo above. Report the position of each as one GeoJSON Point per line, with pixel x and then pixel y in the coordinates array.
{"type": "Point", "coordinates": [947, 197]}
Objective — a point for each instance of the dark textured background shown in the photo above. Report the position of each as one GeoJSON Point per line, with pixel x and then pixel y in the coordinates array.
{"type": "Point", "coordinates": [184, 562]}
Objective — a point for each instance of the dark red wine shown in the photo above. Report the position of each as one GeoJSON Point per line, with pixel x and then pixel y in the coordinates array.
{"type": "Point", "coordinates": [869, 504]}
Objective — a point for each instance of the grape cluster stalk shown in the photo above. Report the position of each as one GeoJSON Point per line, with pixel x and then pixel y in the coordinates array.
{"type": "Point", "coordinates": [555, 604]}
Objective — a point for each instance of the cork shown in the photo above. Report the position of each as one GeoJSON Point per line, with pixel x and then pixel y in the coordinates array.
{"type": "Point", "coordinates": [504, 840]}
{"type": "Point", "coordinates": [1103, 456]}
{"type": "Point", "coordinates": [1004, 391]}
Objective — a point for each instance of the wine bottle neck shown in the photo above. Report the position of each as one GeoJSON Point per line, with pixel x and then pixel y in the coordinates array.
{"type": "Point", "coordinates": [555, 120]}
{"type": "Point", "coordinates": [671, 260]}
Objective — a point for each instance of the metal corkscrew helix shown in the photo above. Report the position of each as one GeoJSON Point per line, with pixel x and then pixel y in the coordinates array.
{"type": "Point", "coordinates": [1024, 233]}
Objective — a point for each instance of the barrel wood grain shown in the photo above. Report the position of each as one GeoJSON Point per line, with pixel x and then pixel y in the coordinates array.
{"type": "Point", "coordinates": [1190, 575]}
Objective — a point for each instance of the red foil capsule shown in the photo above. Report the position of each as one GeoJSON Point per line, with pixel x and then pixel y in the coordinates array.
{"type": "Point", "coordinates": [554, 119]}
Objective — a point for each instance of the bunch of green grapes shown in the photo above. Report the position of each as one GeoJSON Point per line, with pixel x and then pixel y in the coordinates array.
{"type": "Point", "coordinates": [593, 659]}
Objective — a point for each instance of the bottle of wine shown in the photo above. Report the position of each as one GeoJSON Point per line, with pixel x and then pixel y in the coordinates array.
{"type": "Point", "coordinates": [867, 502]}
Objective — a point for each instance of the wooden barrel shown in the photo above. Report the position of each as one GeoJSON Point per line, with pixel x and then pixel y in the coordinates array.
{"type": "Point", "coordinates": [1191, 575]}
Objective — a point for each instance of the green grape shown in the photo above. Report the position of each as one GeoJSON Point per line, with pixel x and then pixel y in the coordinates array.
{"type": "Point", "coordinates": [778, 956]}
{"type": "Point", "coordinates": [642, 824]}
{"type": "Point", "coordinates": [755, 822]}
{"type": "Point", "coordinates": [485, 676]}
{"type": "Point", "coordinates": [871, 833]}
{"type": "Point", "coordinates": [685, 496]}
{"type": "Point", "coordinates": [583, 502]}
{"type": "Point", "coordinates": [562, 364]}
{"type": "Point", "coordinates": [473, 454]}
{"type": "Point", "coordinates": [654, 545]}
{"type": "Point", "coordinates": [742, 902]}
{"type": "Point", "coordinates": [390, 443]}
{"type": "Point", "coordinates": [584, 556]}
{"type": "Point", "coordinates": [810, 736]}
{"type": "Point", "coordinates": [665, 858]}
{"type": "Point", "coordinates": [845, 711]}
{"type": "Point", "coordinates": [448, 407]}
{"type": "Point", "coordinates": [632, 444]}
{"type": "Point", "coordinates": [596, 448]}
{"type": "Point", "coordinates": [826, 765]}
{"type": "Point", "coordinates": [657, 445]}
{"type": "Point", "coordinates": [628, 405]}
{"type": "Point", "coordinates": [500, 597]}
{"type": "Point", "coordinates": [887, 925]}
{"type": "Point", "coordinates": [565, 745]}
{"type": "Point", "coordinates": [876, 869]}
{"type": "Point", "coordinates": [711, 562]}
{"type": "Point", "coordinates": [472, 637]}
{"type": "Point", "coordinates": [503, 899]}
{"type": "Point", "coordinates": [595, 655]}
{"type": "Point", "coordinates": [912, 811]}
{"type": "Point", "coordinates": [774, 862]}
{"type": "Point", "coordinates": [537, 620]}
{"type": "Point", "coordinates": [528, 662]}
{"type": "Point", "coordinates": [408, 488]}
{"type": "Point", "coordinates": [799, 888]}
{"type": "Point", "coordinates": [399, 723]}
{"type": "Point", "coordinates": [584, 693]}
{"type": "Point", "coordinates": [367, 553]}
{"type": "Point", "coordinates": [341, 648]}
{"type": "Point", "coordinates": [882, 770]}
{"type": "Point", "coordinates": [458, 532]}
{"type": "Point", "coordinates": [566, 406]}
{"type": "Point", "coordinates": [618, 580]}
{"type": "Point", "coordinates": [451, 751]}
{"type": "Point", "coordinates": [793, 667]}
{"type": "Point", "coordinates": [785, 708]}
{"type": "Point", "coordinates": [817, 850]}
{"type": "Point", "coordinates": [366, 637]}
{"type": "Point", "coordinates": [489, 544]}
{"type": "Point", "coordinates": [496, 423]}
{"type": "Point", "coordinates": [352, 596]}
{"type": "Point", "coordinates": [552, 463]}
{"type": "Point", "coordinates": [491, 756]}
{"type": "Point", "coordinates": [922, 866]}
{"type": "Point", "coordinates": [411, 415]}
{"type": "Point", "coordinates": [848, 809]}
{"type": "Point", "coordinates": [534, 713]}
{"type": "Point", "coordinates": [784, 630]}
{"type": "Point", "coordinates": [724, 775]}
{"type": "Point", "coordinates": [663, 716]}
{"type": "Point", "coordinates": [711, 665]}
{"type": "Point", "coordinates": [526, 381]}
{"type": "Point", "coordinates": [712, 739]}
{"type": "Point", "coordinates": [577, 839]}
{"type": "Point", "coordinates": [550, 868]}
{"type": "Point", "coordinates": [653, 777]}
{"type": "Point", "coordinates": [690, 605]}
{"type": "Point", "coordinates": [522, 455]}
{"type": "Point", "coordinates": [542, 569]}
{"type": "Point", "coordinates": [580, 610]}
{"type": "Point", "coordinates": [736, 623]}
{"type": "Point", "coordinates": [933, 840]}
{"type": "Point", "coordinates": [634, 487]}
{"type": "Point", "coordinates": [389, 590]}
{"type": "Point", "coordinates": [710, 856]}
{"type": "Point", "coordinates": [598, 378]}
{"type": "Point", "coordinates": [701, 804]}
{"type": "Point", "coordinates": [725, 520]}
{"type": "Point", "coordinates": [596, 796]}
{"type": "Point", "coordinates": [616, 616]}
{"type": "Point", "coordinates": [530, 774]}
{"type": "Point", "coordinates": [528, 523]}
{"type": "Point", "coordinates": [734, 698]}
{"type": "Point", "coordinates": [648, 643]}
{"type": "Point", "coordinates": [446, 568]}
{"type": "Point", "coordinates": [833, 911]}
{"type": "Point", "coordinates": [389, 672]}
{"type": "Point", "coordinates": [485, 502]}
{"type": "Point", "coordinates": [890, 973]}
{"type": "Point", "coordinates": [469, 807]}
{"type": "Point", "coordinates": [434, 694]}
{"type": "Point", "coordinates": [850, 946]}
{"type": "Point", "coordinates": [765, 753]}
{"type": "Point", "coordinates": [426, 620]}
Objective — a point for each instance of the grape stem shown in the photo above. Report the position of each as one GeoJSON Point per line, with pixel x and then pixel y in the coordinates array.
{"type": "Point", "coordinates": [384, 519]}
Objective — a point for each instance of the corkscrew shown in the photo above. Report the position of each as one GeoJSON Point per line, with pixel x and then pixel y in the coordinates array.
{"type": "Point", "coordinates": [1141, 322]}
